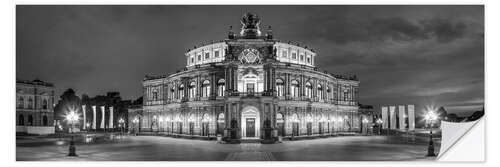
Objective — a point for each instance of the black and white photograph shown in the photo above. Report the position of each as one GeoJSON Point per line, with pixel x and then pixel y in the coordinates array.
{"type": "Point", "coordinates": [246, 82]}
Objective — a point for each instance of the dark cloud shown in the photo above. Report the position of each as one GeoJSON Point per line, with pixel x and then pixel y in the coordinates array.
{"type": "Point", "coordinates": [402, 54]}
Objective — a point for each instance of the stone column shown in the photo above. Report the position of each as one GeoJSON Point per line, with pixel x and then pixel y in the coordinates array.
{"type": "Point", "coordinates": [402, 118]}
{"type": "Point", "coordinates": [103, 117]}
{"type": "Point", "coordinates": [94, 120]}
{"type": "Point", "coordinates": [385, 119]}
{"type": "Point", "coordinates": [392, 112]}
{"type": "Point", "coordinates": [84, 117]}
{"type": "Point", "coordinates": [111, 117]}
{"type": "Point", "coordinates": [411, 117]}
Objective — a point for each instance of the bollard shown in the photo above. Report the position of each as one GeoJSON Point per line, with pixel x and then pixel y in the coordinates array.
{"type": "Point", "coordinates": [72, 148]}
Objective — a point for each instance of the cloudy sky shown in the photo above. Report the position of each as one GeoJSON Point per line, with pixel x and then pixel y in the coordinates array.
{"type": "Point", "coordinates": [423, 55]}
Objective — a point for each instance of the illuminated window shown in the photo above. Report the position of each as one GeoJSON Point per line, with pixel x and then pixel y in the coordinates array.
{"type": "Point", "coordinates": [279, 87]}
{"type": "Point", "coordinates": [221, 87]}
{"type": "Point", "coordinates": [284, 53]}
{"type": "Point", "coordinates": [320, 92]}
{"type": "Point", "coordinates": [192, 90]}
{"type": "Point", "coordinates": [205, 88]}
{"type": "Point", "coordinates": [308, 90]}
{"type": "Point", "coordinates": [30, 103]}
{"type": "Point", "coordinates": [172, 91]}
{"type": "Point", "coordinates": [294, 86]}
{"type": "Point", "coordinates": [181, 91]}
{"type": "Point", "coordinates": [216, 53]}
{"type": "Point", "coordinates": [20, 103]}
{"type": "Point", "coordinates": [155, 95]}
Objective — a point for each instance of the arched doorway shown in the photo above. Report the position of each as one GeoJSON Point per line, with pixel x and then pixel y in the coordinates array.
{"type": "Point", "coordinates": [280, 121]}
{"type": "Point", "coordinates": [250, 123]}
{"type": "Point", "coordinates": [45, 120]}
{"type": "Point", "coordinates": [21, 120]}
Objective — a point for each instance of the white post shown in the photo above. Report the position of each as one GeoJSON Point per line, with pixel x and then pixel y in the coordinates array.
{"type": "Point", "coordinates": [385, 119]}
{"type": "Point", "coordinates": [392, 112]}
{"type": "Point", "coordinates": [103, 117]}
{"type": "Point", "coordinates": [84, 118]}
{"type": "Point", "coordinates": [111, 117]}
{"type": "Point", "coordinates": [411, 117]}
{"type": "Point", "coordinates": [94, 122]}
{"type": "Point", "coordinates": [402, 117]}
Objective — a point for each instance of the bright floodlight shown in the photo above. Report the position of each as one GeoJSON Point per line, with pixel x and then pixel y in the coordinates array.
{"type": "Point", "coordinates": [72, 116]}
{"type": "Point", "coordinates": [430, 116]}
{"type": "Point", "coordinates": [365, 120]}
{"type": "Point", "coordinates": [379, 121]}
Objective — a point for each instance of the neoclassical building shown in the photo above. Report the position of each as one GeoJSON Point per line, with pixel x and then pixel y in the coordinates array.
{"type": "Point", "coordinates": [34, 107]}
{"type": "Point", "coordinates": [249, 86]}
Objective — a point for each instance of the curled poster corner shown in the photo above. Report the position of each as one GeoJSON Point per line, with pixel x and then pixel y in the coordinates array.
{"type": "Point", "coordinates": [452, 135]}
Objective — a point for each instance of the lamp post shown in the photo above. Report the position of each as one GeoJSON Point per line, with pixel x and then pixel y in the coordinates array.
{"type": "Point", "coordinates": [379, 123]}
{"type": "Point", "coordinates": [72, 117]}
{"type": "Point", "coordinates": [430, 116]}
{"type": "Point", "coordinates": [135, 121]}
{"type": "Point", "coordinates": [121, 124]}
{"type": "Point", "coordinates": [365, 126]}
{"type": "Point", "coordinates": [88, 126]}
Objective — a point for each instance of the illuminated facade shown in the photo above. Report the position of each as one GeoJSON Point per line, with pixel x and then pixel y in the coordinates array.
{"type": "Point", "coordinates": [250, 86]}
{"type": "Point", "coordinates": [34, 107]}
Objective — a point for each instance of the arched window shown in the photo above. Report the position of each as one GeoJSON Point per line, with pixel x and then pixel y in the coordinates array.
{"type": "Point", "coordinates": [45, 120]}
{"type": "Point", "coordinates": [220, 118]}
{"type": "Point", "coordinates": [181, 91]}
{"type": "Point", "coordinates": [20, 120]}
{"type": "Point", "coordinates": [280, 118]}
{"type": "Point", "coordinates": [172, 91]}
{"type": "Point", "coordinates": [308, 90]}
{"type": "Point", "coordinates": [30, 103]}
{"type": "Point", "coordinates": [192, 90]}
{"type": "Point", "coordinates": [20, 102]}
{"type": "Point", "coordinates": [328, 93]}
{"type": "Point", "coordinates": [294, 87]}
{"type": "Point", "coordinates": [155, 95]}
{"type": "Point", "coordinates": [279, 87]}
{"type": "Point", "coordinates": [320, 92]}
{"type": "Point", "coordinates": [221, 87]}
{"type": "Point", "coordinates": [294, 118]}
{"type": "Point", "coordinates": [30, 120]}
{"type": "Point", "coordinates": [45, 104]}
{"type": "Point", "coordinates": [205, 88]}
{"type": "Point", "coordinates": [309, 118]}
{"type": "Point", "coordinates": [346, 94]}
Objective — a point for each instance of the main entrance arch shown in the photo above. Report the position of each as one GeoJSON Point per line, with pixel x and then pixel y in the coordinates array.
{"type": "Point", "coordinates": [250, 123]}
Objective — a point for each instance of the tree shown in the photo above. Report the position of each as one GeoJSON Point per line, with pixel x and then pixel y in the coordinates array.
{"type": "Point", "coordinates": [68, 102]}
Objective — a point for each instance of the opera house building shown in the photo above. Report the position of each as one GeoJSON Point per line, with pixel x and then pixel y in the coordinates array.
{"type": "Point", "coordinates": [249, 86]}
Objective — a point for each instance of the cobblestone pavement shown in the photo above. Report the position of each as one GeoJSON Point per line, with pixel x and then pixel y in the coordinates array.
{"type": "Point", "coordinates": [154, 148]}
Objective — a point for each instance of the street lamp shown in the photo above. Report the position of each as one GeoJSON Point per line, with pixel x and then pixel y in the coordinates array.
{"type": "Point", "coordinates": [365, 127]}
{"type": "Point", "coordinates": [88, 126]}
{"type": "Point", "coordinates": [135, 121]}
{"type": "Point", "coordinates": [430, 116]}
{"type": "Point", "coordinates": [379, 123]}
{"type": "Point", "coordinates": [121, 124]}
{"type": "Point", "coordinates": [72, 117]}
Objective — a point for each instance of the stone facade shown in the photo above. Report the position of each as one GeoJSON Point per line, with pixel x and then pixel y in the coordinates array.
{"type": "Point", "coordinates": [34, 107]}
{"type": "Point", "coordinates": [250, 86]}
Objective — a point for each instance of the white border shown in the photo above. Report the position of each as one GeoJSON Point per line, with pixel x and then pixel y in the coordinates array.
{"type": "Point", "coordinates": [8, 85]}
